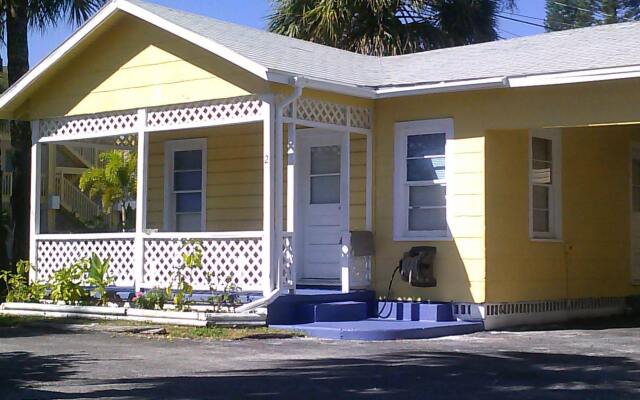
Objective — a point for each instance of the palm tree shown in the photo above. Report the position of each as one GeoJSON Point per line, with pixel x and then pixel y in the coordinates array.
{"type": "Point", "coordinates": [388, 27]}
{"type": "Point", "coordinates": [20, 17]}
{"type": "Point", "coordinates": [114, 182]}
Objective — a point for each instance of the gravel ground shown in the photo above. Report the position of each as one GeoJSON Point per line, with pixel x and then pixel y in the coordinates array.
{"type": "Point", "coordinates": [593, 360]}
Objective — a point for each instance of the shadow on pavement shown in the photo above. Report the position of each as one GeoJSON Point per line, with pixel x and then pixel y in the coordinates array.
{"type": "Point", "coordinates": [399, 375]}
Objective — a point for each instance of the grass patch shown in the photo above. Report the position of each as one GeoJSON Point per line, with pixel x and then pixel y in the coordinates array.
{"type": "Point", "coordinates": [183, 332]}
{"type": "Point", "coordinates": [228, 333]}
{"type": "Point", "coordinates": [11, 321]}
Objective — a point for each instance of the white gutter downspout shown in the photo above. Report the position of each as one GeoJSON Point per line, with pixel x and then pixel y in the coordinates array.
{"type": "Point", "coordinates": [298, 84]}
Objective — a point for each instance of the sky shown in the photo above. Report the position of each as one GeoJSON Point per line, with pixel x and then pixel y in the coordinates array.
{"type": "Point", "coordinates": [254, 12]}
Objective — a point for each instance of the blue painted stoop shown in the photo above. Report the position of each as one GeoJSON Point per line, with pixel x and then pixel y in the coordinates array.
{"type": "Point", "coordinates": [359, 316]}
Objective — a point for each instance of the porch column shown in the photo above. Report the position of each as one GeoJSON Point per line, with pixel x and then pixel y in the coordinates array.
{"type": "Point", "coordinates": [268, 196]}
{"type": "Point", "coordinates": [345, 247]}
{"type": "Point", "coordinates": [34, 209]}
{"type": "Point", "coordinates": [141, 197]}
{"type": "Point", "coordinates": [369, 184]}
{"type": "Point", "coordinates": [291, 195]}
{"type": "Point", "coordinates": [52, 152]}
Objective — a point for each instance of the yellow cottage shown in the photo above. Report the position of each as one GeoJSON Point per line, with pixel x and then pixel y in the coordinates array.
{"type": "Point", "coordinates": [297, 165]}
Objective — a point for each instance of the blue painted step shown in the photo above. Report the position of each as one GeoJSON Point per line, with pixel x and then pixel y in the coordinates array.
{"type": "Point", "coordinates": [405, 311]}
{"type": "Point", "coordinates": [333, 312]}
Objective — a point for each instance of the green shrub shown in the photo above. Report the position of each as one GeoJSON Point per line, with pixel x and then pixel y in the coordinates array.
{"type": "Point", "coordinates": [191, 259]}
{"type": "Point", "coordinates": [66, 283]}
{"type": "Point", "coordinates": [151, 300]}
{"type": "Point", "coordinates": [98, 276]}
{"type": "Point", "coordinates": [19, 289]}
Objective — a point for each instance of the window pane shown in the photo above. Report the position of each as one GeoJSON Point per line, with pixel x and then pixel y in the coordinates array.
{"type": "Point", "coordinates": [426, 145]}
{"type": "Point", "coordinates": [540, 197]}
{"type": "Point", "coordinates": [541, 221]}
{"type": "Point", "coordinates": [433, 219]}
{"type": "Point", "coordinates": [325, 160]}
{"type": "Point", "coordinates": [426, 169]}
{"type": "Point", "coordinates": [325, 189]}
{"type": "Point", "coordinates": [188, 222]}
{"type": "Point", "coordinates": [541, 149]}
{"type": "Point", "coordinates": [427, 196]}
{"type": "Point", "coordinates": [188, 202]}
{"type": "Point", "coordinates": [541, 172]}
{"type": "Point", "coordinates": [191, 159]}
{"type": "Point", "coordinates": [187, 180]}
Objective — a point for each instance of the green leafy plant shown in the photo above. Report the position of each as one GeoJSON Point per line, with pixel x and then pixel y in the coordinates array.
{"type": "Point", "coordinates": [19, 289]}
{"type": "Point", "coordinates": [66, 283]}
{"type": "Point", "coordinates": [151, 300]}
{"type": "Point", "coordinates": [98, 276]}
{"type": "Point", "coordinates": [228, 297]}
{"type": "Point", "coordinates": [192, 253]}
{"type": "Point", "coordinates": [114, 182]}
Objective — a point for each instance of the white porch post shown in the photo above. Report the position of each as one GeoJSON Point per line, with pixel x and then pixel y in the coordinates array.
{"type": "Point", "coordinates": [345, 247]}
{"type": "Point", "coordinates": [268, 195]}
{"type": "Point", "coordinates": [291, 195]}
{"type": "Point", "coordinates": [34, 210]}
{"type": "Point", "coordinates": [141, 198]}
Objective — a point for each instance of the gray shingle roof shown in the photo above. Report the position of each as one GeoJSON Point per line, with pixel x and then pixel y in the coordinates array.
{"type": "Point", "coordinates": [573, 50]}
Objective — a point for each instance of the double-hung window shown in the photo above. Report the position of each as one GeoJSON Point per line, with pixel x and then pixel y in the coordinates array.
{"type": "Point", "coordinates": [544, 187]}
{"type": "Point", "coordinates": [420, 179]}
{"type": "Point", "coordinates": [185, 184]}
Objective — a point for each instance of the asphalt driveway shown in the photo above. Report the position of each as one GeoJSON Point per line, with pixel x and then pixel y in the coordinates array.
{"type": "Point", "coordinates": [593, 362]}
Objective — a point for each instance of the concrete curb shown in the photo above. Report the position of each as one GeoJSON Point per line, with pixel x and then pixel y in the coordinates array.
{"type": "Point", "coordinates": [195, 318]}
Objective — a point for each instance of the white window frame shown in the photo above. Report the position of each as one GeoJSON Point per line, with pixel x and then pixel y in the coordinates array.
{"type": "Point", "coordinates": [170, 147]}
{"type": "Point", "coordinates": [555, 198]}
{"type": "Point", "coordinates": [403, 130]}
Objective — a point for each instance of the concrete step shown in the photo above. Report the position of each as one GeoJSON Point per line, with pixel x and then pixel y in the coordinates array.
{"type": "Point", "coordinates": [379, 329]}
{"type": "Point", "coordinates": [407, 311]}
{"type": "Point", "coordinates": [333, 312]}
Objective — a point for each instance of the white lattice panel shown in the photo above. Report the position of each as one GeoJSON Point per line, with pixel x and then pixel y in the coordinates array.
{"type": "Point", "coordinates": [195, 114]}
{"type": "Point", "coordinates": [53, 255]}
{"type": "Point", "coordinates": [321, 111]}
{"type": "Point", "coordinates": [360, 117]}
{"type": "Point", "coordinates": [240, 259]}
{"type": "Point", "coordinates": [122, 122]}
{"type": "Point", "coordinates": [286, 270]}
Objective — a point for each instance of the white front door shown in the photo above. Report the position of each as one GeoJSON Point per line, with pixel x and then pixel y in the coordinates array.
{"type": "Point", "coordinates": [321, 200]}
{"type": "Point", "coordinates": [635, 214]}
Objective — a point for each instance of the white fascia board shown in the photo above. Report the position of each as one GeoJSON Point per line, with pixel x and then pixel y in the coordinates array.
{"type": "Point", "coordinates": [58, 53]}
{"type": "Point", "coordinates": [592, 75]}
{"type": "Point", "coordinates": [443, 87]}
{"type": "Point", "coordinates": [194, 38]}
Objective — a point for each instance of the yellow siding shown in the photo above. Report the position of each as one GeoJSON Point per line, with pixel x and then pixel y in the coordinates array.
{"type": "Point", "coordinates": [357, 182]}
{"type": "Point", "coordinates": [234, 177]}
{"type": "Point", "coordinates": [460, 263]}
{"type": "Point", "coordinates": [463, 264]}
{"type": "Point", "coordinates": [137, 65]}
{"type": "Point", "coordinates": [593, 258]}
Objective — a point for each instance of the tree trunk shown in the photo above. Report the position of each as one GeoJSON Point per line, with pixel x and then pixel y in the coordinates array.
{"type": "Point", "coordinates": [18, 63]}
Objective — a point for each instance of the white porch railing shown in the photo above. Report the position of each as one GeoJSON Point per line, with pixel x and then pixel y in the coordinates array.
{"type": "Point", "coordinates": [226, 257]}
{"type": "Point", "coordinates": [54, 252]}
{"type": "Point", "coordinates": [287, 278]}
{"type": "Point", "coordinates": [74, 200]}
